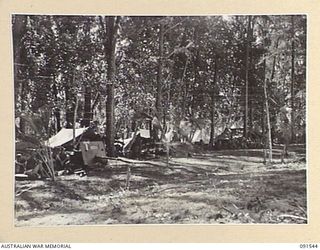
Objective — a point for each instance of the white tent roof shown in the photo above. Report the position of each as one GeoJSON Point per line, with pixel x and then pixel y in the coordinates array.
{"type": "Point", "coordinates": [63, 136]}
{"type": "Point", "coordinates": [202, 134]}
{"type": "Point", "coordinates": [144, 133]}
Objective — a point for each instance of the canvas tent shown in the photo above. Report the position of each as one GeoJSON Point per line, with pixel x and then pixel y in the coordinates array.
{"type": "Point", "coordinates": [144, 133]}
{"type": "Point", "coordinates": [201, 135]}
{"type": "Point", "coordinates": [63, 136]}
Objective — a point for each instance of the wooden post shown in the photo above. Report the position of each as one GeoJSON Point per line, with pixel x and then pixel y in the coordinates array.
{"type": "Point", "coordinates": [128, 178]}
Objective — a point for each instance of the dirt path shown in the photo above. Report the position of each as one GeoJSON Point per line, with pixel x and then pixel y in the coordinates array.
{"type": "Point", "coordinates": [219, 187]}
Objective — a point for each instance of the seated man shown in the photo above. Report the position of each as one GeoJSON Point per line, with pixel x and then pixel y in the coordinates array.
{"type": "Point", "coordinates": [37, 172]}
{"type": "Point", "coordinates": [60, 159]}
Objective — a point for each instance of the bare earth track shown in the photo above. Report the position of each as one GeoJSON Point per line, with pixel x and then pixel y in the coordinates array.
{"type": "Point", "coordinates": [226, 187]}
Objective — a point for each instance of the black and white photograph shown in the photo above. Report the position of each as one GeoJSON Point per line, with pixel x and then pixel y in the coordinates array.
{"type": "Point", "coordinates": [126, 120]}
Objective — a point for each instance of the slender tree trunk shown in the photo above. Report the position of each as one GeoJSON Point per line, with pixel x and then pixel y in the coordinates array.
{"type": "Point", "coordinates": [263, 128]}
{"type": "Point", "coordinates": [87, 117]}
{"type": "Point", "coordinates": [251, 92]}
{"type": "Point", "coordinates": [267, 112]}
{"type": "Point", "coordinates": [22, 122]}
{"type": "Point", "coordinates": [110, 132]}
{"type": "Point", "coordinates": [273, 113]}
{"type": "Point", "coordinates": [111, 24]}
{"type": "Point", "coordinates": [274, 61]}
{"type": "Point", "coordinates": [58, 119]}
{"type": "Point", "coordinates": [69, 113]}
{"type": "Point", "coordinates": [246, 96]}
{"type": "Point", "coordinates": [69, 106]}
{"type": "Point", "coordinates": [213, 103]}
{"type": "Point", "coordinates": [159, 74]}
{"type": "Point", "coordinates": [56, 110]}
{"type": "Point", "coordinates": [19, 29]}
{"type": "Point", "coordinates": [250, 113]}
{"type": "Point", "coordinates": [292, 80]}
{"type": "Point", "coordinates": [164, 120]}
{"type": "Point", "coordinates": [75, 120]}
{"type": "Point", "coordinates": [184, 86]}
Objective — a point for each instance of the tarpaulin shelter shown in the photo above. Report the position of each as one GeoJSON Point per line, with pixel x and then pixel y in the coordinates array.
{"type": "Point", "coordinates": [63, 136]}
{"type": "Point", "coordinates": [89, 149]}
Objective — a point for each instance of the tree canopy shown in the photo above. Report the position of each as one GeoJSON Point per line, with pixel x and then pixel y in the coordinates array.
{"type": "Point", "coordinates": [208, 69]}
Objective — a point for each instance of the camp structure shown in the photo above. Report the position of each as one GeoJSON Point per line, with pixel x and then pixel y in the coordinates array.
{"type": "Point", "coordinates": [90, 149]}
{"type": "Point", "coordinates": [64, 136]}
{"type": "Point", "coordinates": [201, 135]}
{"type": "Point", "coordinates": [136, 141]}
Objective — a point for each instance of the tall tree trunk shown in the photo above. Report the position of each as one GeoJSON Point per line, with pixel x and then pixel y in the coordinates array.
{"type": "Point", "coordinates": [273, 112]}
{"type": "Point", "coordinates": [164, 121]}
{"type": "Point", "coordinates": [251, 87]}
{"type": "Point", "coordinates": [69, 105]}
{"type": "Point", "coordinates": [56, 109]}
{"type": "Point", "coordinates": [19, 29]}
{"type": "Point", "coordinates": [292, 80]}
{"type": "Point", "coordinates": [22, 122]}
{"type": "Point", "coordinates": [87, 117]}
{"type": "Point", "coordinates": [184, 90]}
{"type": "Point", "coordinates": [246, 96]}
{"type": "Point", "coordinates": [274, 61]}
{"type": "Point", "coordinates": [58, 119]}
{"type": "Point", "coordinates": [251, 90]}
{"type": "Point", "coordinates": [111, 25]}
{"type": "Point", "coordinates": [159, 74]}
{"type": "Point", "coordinates": [213, 103]}
{"type": "Point", "coordinates": [75, 120]}
{"type": "Point", "coordinates": [267, 112]}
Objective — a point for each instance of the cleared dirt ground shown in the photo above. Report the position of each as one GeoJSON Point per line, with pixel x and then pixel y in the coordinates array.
{"type": "Point", "coordinates": [226, 187]}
